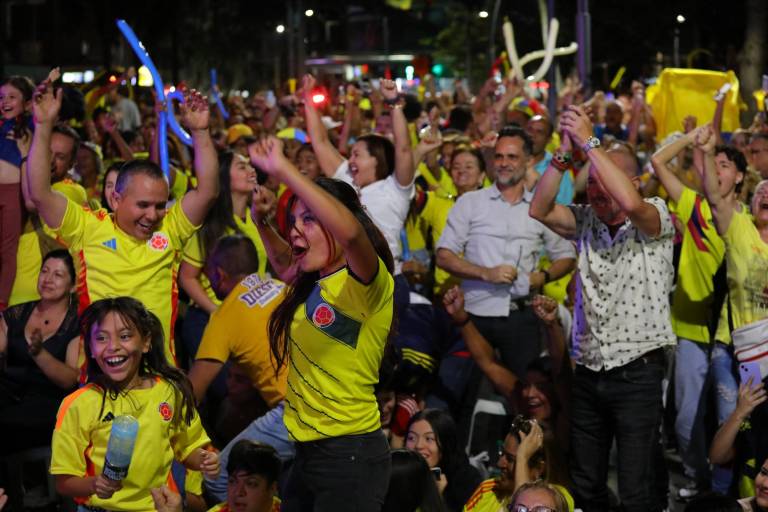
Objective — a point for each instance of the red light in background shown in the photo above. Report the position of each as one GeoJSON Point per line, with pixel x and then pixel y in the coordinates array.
{"type": "Point", "coordinates": [112, 79]}
{"type": "Point", "coordinates": [318, 98]}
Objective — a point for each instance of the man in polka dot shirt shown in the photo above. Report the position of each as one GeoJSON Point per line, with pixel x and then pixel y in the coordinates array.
{"type": "Point", "coordinates": [621, 318]}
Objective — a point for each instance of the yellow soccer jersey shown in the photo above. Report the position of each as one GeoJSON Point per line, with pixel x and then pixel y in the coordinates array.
{"type": "Point", "coordinates": [337, 341]}
{"type": "Point", "coordinates": [435, 216]}
{"type": "Point", "coordinates": [82, 430]}
{"type": "Point", "coordinates": [193, 252]}
{"type": "Point", "coordinates": [112, 263]}
{"type": "Point", "coordinates": [223, 507]}
{"type": "Point", "coordinates": [747, 257]}
{"type": "Point", "coordinates": [443, 185]}
{"type": "Point", "coordinates": [28, 256]}
{"type": "Point", "coordinates": [700, 256]}
{"type": "Point", "coordinates": [247, 307]}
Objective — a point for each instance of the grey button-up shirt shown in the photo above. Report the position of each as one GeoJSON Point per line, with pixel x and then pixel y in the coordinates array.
{"type": "Point", "coordinates": [490, 231]}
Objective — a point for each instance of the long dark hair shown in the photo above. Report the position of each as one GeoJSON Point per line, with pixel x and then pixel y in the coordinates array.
{"type": "Point", "coordinates": [153, 363]}
{"type": "Point", "coordinates": [280, 321]}
{"type": "Point", "coordinates": [452, 457]}
{"type": "Point", "coordinates": [220, 218]}
{"type": "Point", "coordinates": [411, 486]}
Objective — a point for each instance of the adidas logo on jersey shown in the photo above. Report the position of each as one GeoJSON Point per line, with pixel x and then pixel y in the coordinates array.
{"type": "Point", "coordinates": [112, 244]}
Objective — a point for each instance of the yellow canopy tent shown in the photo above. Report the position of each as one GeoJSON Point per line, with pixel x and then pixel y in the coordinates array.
{"type": "Point", "coordinates": [682, 92]}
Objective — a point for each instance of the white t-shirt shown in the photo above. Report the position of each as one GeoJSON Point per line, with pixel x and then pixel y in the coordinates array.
{"type": "Point", "coordinates": [387, 203]}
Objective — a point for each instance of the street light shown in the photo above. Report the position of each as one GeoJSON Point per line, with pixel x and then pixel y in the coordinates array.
{"type": "Point", "coordinates": [280, 29]}
{"type": "Point", "coordinates": [680, 19]}
{"type": "Point", "coordinates": [482, 14]}
{"type": "Point", "coordinates": [309, 13]}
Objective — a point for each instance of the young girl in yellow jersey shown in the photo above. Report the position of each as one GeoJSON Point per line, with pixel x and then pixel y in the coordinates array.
{"type": "Point", "coordinates": [127, 374]}
{"type": "Point", "coordinates": [330, 330]}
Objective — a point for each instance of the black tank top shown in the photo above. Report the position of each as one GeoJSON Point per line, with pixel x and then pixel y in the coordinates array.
{"type": "Point", "coordinates": [22, 375]}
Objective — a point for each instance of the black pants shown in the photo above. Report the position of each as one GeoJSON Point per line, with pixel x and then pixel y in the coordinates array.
{"type": "Point", "coordinates": [340, 474]}
{"type": "Point", "coordinates": [517, 337]}
{"type": "Point", "coordinates": [624, 403]}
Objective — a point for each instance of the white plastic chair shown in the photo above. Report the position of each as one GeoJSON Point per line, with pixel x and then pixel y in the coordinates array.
{"type": "Point", "coordinates": [484, 406]}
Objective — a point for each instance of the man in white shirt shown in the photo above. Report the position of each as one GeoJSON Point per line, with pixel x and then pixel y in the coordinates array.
{"type": "Point", "coordinates": [492, 244]}
{"type": "Point", "coordinates": [621, 318]}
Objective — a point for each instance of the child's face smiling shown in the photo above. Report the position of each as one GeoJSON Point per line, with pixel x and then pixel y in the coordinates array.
{"type": "Point", "coordinates": [11, 101]}
{"type": "Point", "coordinates": [118, 348]}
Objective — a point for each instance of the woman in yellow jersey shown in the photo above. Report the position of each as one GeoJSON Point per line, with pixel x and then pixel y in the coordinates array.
{"type": "Point", "coordinates": [746, 255]}
{"type": "Point", "coordinates": [128, 373]}
{"type": "Point", "coordinates": [228, 215]}
{"type": "Point", "coordinates": [468, 174]}
{"type": "Point", "coordinates": [330, 330]}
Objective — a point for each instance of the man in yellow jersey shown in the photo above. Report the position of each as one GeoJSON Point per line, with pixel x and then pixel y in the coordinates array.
{"type": "Point", "coordinates": [249, 300]}
{"type": "Point", "coordinates": [255, 469]}
{"type": "Point", "coordinates": [135, 251]}
{"type": "Point", "coordinates": [36, 238]}
{"type": "Point", "coordinates": [694, 313]}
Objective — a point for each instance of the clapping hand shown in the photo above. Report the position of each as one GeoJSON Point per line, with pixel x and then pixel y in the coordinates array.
{"type": "Point", "coordinates": [46, 103]}
{"type": "Point", "coordinates": [195, 114]}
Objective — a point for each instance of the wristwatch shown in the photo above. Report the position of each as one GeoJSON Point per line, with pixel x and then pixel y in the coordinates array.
{"type": "Point", "coordinates": [591, 143]}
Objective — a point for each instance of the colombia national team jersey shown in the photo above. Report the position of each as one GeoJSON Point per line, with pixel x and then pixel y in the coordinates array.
{"type": "Point", "coordinates": [83, 426]}
{"type": "Point", "coordinates": [112, 263]}
{"type": "Point", "coordinates": [337, 341]}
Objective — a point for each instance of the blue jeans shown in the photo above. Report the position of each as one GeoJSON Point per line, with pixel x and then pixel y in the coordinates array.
{"type": "Point", "coordinates": [694, 370]}
{"type": "Point", "coordinates": [339, 474]}
{"type": "Point", "coordinates": [624, 403]}
{"type": "Point", "coordinates": [268, 429]}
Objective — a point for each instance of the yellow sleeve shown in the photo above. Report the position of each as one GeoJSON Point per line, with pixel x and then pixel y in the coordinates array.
{"type": "Point", "coordinates": [740, 231]}
{"type": "Point", "coordinates": [218, 334]}
{"type": "Point", "coordinates": [188, 438]}
{"type": "Point", "coordinates": [70, 438]}
{"type": "Point", "coordinates": [72, 191]}
{"type": "Point", "coordinates": [75, 223]}
{"type": "Point", "coordinates": [178, 225]}
{"type": "Point", "coordinates": [193, 252]}
{"type": "Point", "coordinates": [373, 296]}
{"type": "Point", "coordinates": [684, 207]}
{"type": "Point", "coordinates": [180, 185]}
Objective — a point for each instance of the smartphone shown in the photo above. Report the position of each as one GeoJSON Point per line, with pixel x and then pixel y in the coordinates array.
{"type": "Point", "coordinates": [752, 369]}
{"type": "Point", "coordinates": [436, 472]}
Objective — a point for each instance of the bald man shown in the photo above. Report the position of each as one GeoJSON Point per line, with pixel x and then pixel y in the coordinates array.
{"type": "Point", "coordinates": [621, 321]}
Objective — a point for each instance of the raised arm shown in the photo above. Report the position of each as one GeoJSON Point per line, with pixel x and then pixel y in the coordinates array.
{"type": "Point", "coordinates": [263, 206]}
{"type": "Point", "coordinates": [661, 159]}
{"type": "Point", "coordinates": [482, 352]}
{"type": "Point", "coordinates": [109, 126]}
{"type": "Point", "coordinates": [556, 217]}
{"type": "Point", "coordinates": [722, 449]}
{"type": "Point", "coordinates": [46, 105]}
{"type": "Point", "coordinates": [615, 181]}
{"type": "Point", "coordinates": [195, 115]}
{"type": "Point", "coordinates": [404, 167]}
{"type": "Point", "coordinates": [328, 156]}
{"type": "Point", "coordinates": [332, 214]}
{"type": "Point", "coordinates": [722, 210]}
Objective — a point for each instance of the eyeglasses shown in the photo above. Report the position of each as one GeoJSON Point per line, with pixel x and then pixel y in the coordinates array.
{"type": "Point", "coordinates": [523, 508]}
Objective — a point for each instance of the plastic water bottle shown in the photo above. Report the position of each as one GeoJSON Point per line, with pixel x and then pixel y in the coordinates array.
{"type": "Point", "coordinates": [122, 439]}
